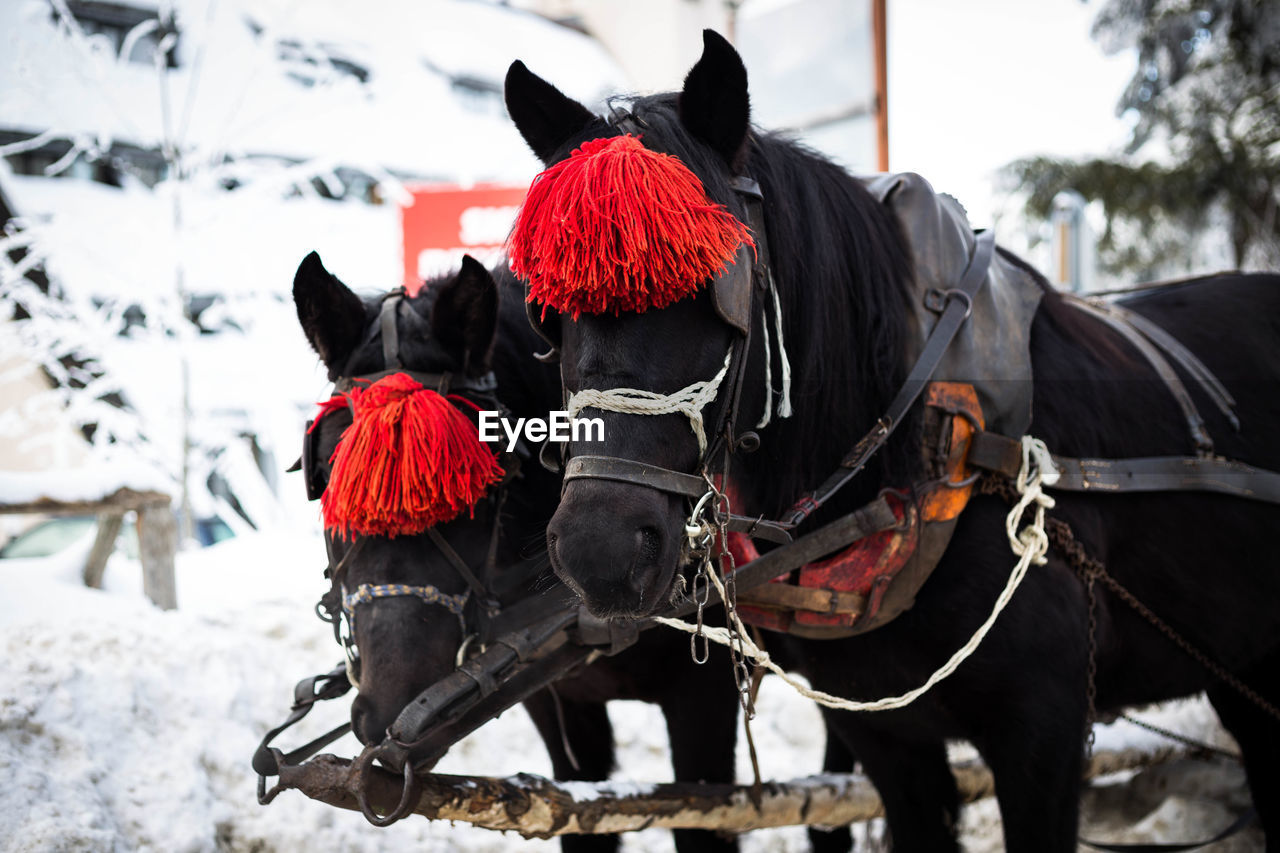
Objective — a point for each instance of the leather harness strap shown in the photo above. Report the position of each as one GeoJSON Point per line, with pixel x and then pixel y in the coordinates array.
{"type": "Point", "coordinates": [1204, 472]}
{"type": "Point", "coordinates": [872, 518]}
{"type": "Point", "coordinates": [637, 473]}
{"type": "Point", "coordinates": [1121, 324]}
{"type": "Point", "coordinates": [776, 596]}
{"type": "Point", "coordinates": [1167, 473]}
{"type": "Point", "coordinates": [1001, 455]}
{"type": "Point", "coordinates": [665, 480]}
{"type": "Point", "coordinates": [959, 302]}
{"type": "Point", "coordinates": [1174, 348]}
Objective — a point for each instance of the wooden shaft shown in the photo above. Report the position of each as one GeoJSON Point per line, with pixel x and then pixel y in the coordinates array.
{"type": "Point", "coordinates": [540, 808]}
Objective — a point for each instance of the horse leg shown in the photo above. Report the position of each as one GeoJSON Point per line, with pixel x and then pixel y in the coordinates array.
{"type": "Point", "coordinates": [586, 733]}
{"type": "Point", "coordinates": [1036, 757]}
{"type": "Point", "coordinates": [914, 781]}
{"type": "Point", "coordinates": [1258, 734]}
{"type": "Point", "coordinates": [702, 727]}
{"type": "Point", "coordinates": [837, 759]}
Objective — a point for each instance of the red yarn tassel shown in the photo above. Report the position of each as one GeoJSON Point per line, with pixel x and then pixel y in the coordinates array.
{"type": "Point", "coordinates": [617, 227]}
{"type": "Point", "coordinates": [408, 461]}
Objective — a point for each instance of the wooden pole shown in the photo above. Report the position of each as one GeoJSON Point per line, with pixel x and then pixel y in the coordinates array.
{"type": "Point", "coordinates": [880, 45]}
{"type": "Point", "coordinates": [157, 545]}
{"type": "Point", "coordinates": [104, 543]}
{"type": "Point", "coordinates": [157, 536]}
{"type": "Point", "coordinates": [540, 808]}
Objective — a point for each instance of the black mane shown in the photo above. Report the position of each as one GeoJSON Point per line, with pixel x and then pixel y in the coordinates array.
{"type": "Point", "coordinates": [826, 234]}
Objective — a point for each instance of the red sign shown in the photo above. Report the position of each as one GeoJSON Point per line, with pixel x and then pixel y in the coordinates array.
{"type": "Point", "coordinates": [446, 221]}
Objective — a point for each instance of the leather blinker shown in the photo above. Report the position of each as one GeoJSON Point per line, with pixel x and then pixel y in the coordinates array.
{"type": "Point", "coordinates": [731, 291]}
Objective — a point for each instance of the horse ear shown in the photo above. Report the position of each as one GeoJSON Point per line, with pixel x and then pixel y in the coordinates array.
{"type": "Point", "coordinates": [332, 317]}
{"type": "Point", "coordinates": [545, 116]}
{"type": "Point", "coordinates": [714, 105]}
{"type": "Point", "coordinates": [465, 316]}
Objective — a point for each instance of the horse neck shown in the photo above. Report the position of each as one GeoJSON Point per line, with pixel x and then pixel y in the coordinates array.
{"type": "Point", "coordinates": [527, 388]}
{"type": "Point", "coordinates": [842, 270]}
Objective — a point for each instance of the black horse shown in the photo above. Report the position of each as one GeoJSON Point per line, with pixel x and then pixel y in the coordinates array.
{"type": "Point", "coordinates": [1204, 563]}
{"type": "Point", "coordinates": [468, 324]}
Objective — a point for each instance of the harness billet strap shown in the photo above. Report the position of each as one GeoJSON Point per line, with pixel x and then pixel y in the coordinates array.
{"type": "Point", "coordinates": [1136, 474]}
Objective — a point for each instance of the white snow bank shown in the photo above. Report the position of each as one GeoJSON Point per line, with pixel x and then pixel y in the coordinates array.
{"type": "Point", "coordinates": [127, 728]}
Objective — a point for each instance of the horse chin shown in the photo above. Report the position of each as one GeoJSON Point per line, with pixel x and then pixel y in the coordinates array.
{"type": "Point", "coordinates": [611, 544]}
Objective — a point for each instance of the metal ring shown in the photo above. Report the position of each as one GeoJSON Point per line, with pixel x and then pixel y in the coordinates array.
{"type": "Point", "coordinates": [965, 483]}
{"type": "Point", "coordinates": [265, 796]}
{"type": "Point", "coordinates": [956, 293]}
{"type": "Point", "coordinates": [461, 657]}
{"type": "Point", "coordinates": [363, 764]}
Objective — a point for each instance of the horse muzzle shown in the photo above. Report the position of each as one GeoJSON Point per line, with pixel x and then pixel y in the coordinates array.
{"type": "Point", "coordinates": [613, 544]}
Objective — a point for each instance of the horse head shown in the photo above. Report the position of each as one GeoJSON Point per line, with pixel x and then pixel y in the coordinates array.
{"type": "Point", "coordinates": [632, 314]}
{"type": "Point", "coordinates": [411, 497]}
{"type": "Point", "coordinates": [684, 262]}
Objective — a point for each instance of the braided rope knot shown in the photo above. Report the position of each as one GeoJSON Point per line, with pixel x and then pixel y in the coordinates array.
{"type": "Point", "coordinates": [1037, 470]}
{"type": "Point", "coordinates": [688, 401]}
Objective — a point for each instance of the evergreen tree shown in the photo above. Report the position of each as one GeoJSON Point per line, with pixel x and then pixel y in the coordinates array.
{"type": "Point", "coordinates": [1205, 151]}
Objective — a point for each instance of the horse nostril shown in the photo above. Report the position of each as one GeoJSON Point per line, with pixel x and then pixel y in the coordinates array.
{"type": "Point", "coordinates": [649, 546]}
{"type": "Point", "coordinates": [358, 714]}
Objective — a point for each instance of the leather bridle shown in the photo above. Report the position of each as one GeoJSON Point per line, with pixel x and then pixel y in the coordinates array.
{"type": "Point", "coordinates": [477, 608]}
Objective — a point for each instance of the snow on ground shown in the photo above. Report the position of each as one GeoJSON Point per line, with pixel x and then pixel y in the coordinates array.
{"type": "Point", "coordinates": [127, 728]}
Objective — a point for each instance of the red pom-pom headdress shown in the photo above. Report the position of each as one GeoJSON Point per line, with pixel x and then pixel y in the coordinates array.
{"type": "Point", "coordinates": [617, 227]}
{"type": "Point", "coordinates": [409, 460]}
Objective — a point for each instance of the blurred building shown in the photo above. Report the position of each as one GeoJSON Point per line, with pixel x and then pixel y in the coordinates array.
{"type": "Point", "coordinates": [167, 164]}
{"type": "Point", "coordinates": [810, 63]}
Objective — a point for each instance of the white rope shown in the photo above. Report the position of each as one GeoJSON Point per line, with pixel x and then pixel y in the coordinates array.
{"type": "Point", "coordinates": [1030, 544]}
{"type": "Point", "coordinates": [784, 404]}
{"type": "Point", "coordinates": [784, 401]}
{"type": "Point", "coordinates": [688, 401]}
{"type": "Point", "coordinates": [767, 415]}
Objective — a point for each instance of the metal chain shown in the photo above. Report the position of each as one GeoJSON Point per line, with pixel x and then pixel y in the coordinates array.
{"type": "Point", "coordinates": [1183, 739]}
{"type": "Point", "coordinates": [1091, 691]}
{"type": "Point", "coordinates": [1128, 598]}
{"type": "Point", "coordinates": [737, 650]}
{"type": "Point", "coordinates": [703, 583]}
{"type": "Point", "coordinates": [706, 535]}
{"type": "Point", "coordinates": [1092, 570]}
{"type": "Point", "coordinates": [700, 540]}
